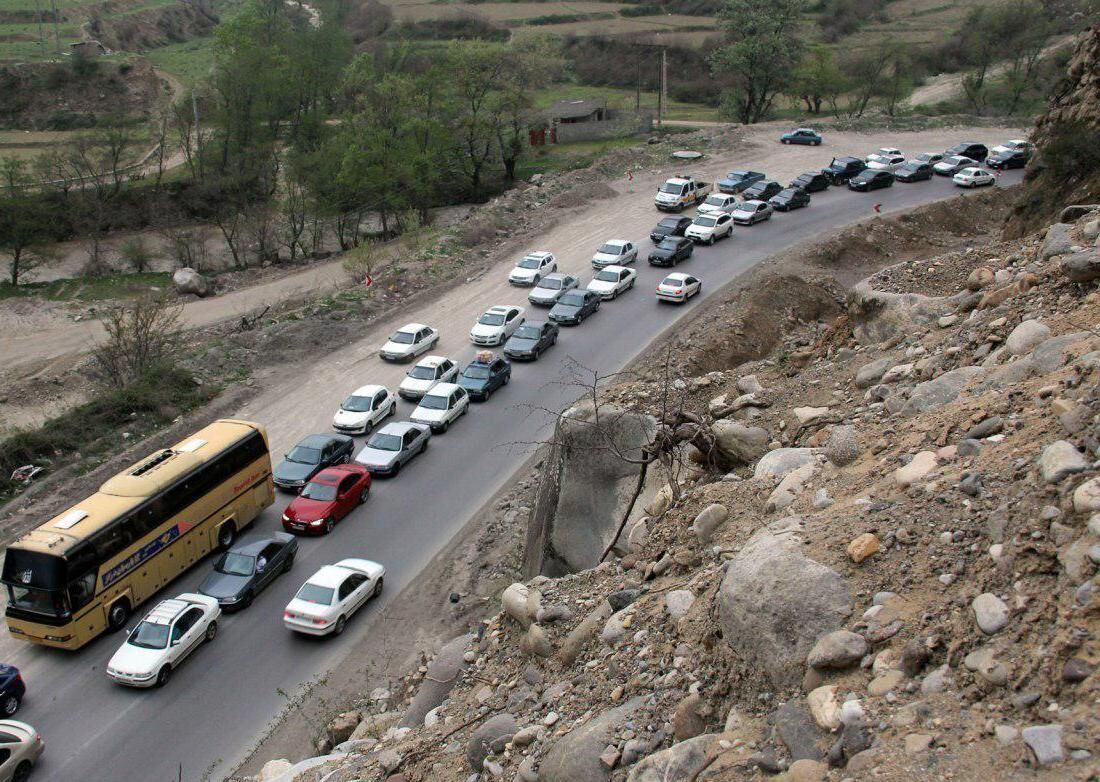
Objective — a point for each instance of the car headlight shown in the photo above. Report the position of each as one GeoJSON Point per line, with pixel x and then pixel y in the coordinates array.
{"type": "Point", "coordinates": [286, 518]}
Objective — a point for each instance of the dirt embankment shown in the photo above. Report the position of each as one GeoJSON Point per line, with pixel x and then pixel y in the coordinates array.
{"type": "Point", "coordinates": [120, 28]}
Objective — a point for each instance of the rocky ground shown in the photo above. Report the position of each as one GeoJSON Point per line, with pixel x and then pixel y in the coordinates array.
{"type": "Point", "coordinates": [879, 561]}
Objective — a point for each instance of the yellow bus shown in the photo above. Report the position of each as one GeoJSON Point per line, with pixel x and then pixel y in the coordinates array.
{"type": "Point", "coordinates": [87, 569]}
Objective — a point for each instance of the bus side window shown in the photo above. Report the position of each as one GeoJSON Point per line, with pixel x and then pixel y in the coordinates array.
{"type": "Point", "coordinates": [81, 591]}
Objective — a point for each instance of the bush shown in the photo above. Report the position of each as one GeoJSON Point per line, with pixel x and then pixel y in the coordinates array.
{"type": "Point", "coordinates": [464, 25]}
{"type": "Point", "coordinates": [567, 18]}
{"type": "Point", "coordinates": [136, 253]}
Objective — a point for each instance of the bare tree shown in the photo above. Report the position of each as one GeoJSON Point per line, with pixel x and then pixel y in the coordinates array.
{"type": "Point", "coordinates": [295, 218]}
{"type": "Point", "coordinates": [140, 336]}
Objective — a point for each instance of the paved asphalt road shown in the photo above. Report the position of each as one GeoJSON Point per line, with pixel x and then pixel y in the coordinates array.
{"type": "Point", "coordinates": [221, 699]}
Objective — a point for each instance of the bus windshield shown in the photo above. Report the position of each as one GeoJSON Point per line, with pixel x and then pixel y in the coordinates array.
{"type": "Point", "coordinates": [40, 601]}
{"type": "Point", "coordinates": [149, 636]}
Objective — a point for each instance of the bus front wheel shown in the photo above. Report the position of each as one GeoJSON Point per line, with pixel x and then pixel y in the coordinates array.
{"type": "Point", "coordinates": [226, 533]}
{"type": "Point", "coordinates": [117, 615]}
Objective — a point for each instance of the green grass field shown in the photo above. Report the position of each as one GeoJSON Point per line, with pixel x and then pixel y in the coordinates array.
{"type": "Point", "coordinates": [190, 61]}
{"type": "Point", "coordinates": [102, 288]}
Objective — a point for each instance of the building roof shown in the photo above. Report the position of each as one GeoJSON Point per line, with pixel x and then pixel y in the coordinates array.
{"type": "Point", "coordinates": [568, 109]}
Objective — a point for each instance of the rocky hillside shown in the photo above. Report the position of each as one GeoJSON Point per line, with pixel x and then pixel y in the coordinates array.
{"type": "Point", "coordinates": [870, 554]}
{"type": "Point", "coordinates": [1067, 168]}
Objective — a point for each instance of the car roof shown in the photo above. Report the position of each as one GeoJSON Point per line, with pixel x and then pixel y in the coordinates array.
{"type": "Point", "coordinates": [442, 389]}
{"type": "Point", "coordinates": [334, 474]}
{"type": "Point", "coordinates": [412, 327]}
{"type": "Point", "coordinates": [398, 427]}
{"type": "Point", "coordinates": [431, 361]}
{"type": "Point", "coordinates": [750, 201]}
{"type": "Point", "coordinates": [540, 254]}
{"type": "Point", "coordinates": [330, 576]}
{"type": "Point", "coordinates": [550, 276]}
{"type": "Point", "coordinates": [676, 276]}
{"type": "Point", "coordinates": [613, 267]}
{"type": "Point", "coordinates": [503, 309]}
{"type": "Point", "coordinates": [318, 440]}
{"type": "Point", "coordinates": [617, 241]}
{"type": "Point", "coordinates": [369, 390]}
{"type": "Point", "coordinates": [166, 611]}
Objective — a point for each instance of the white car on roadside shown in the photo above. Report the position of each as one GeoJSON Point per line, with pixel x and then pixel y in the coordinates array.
{"type": "Point", "coordinates": [441, 407]}
{"type": "Point", "coordinates": [707, 229]}
{"type": "Point", "coordinates": [885, 162]}
{"type": "Point", "coordinates": [678, 287]}
{"type": "Point", "coordinates": [161, 641]}
{"type": "Point", "coordinates": [717, 203]}
{"type": "Point", "coordinates": [409, 341]}
{"type": "Point", "coordinates": [330, 596]}
{"type": "Point", "coordinates": [618, 252]}
{"type": "Point", "coordinates": [21, 746]}
{"type": "Point", "coordinates": [532, 268]}
{"type": "Point", "coordinates": [610, 281]}
{"type": "Point", "coordinates": [367, 407]}
{"type": "Point", "coordinates": [496, 324]}
{"type": "Point", "coordinates": [428, 371]}
{"type": "Point", "coordinates": [1014, 145]}
{"type": "Point", "coordinates": [973, 177]}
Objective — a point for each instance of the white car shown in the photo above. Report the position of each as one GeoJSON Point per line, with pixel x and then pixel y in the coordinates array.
{"type": "Point", "coordinates": [931, 158]}
{"type": "Point", "coordinates": [331, 595]}
{"type": "Point", "coordinates": [364, 409]}
{"type": "Point", "coordinates": [615, 252]}
{"type": "Point", "coordinates": [441, 407]}
{"type": "Point", "coordinates": [496, 324]}
{"type": "Point", "coordinates": [885, 152]}
{"type": "Point", "coordinates": [952, 165]}
{"type": "Point", "coordinates": [551, 287]}
{"type": "Point", "coordinates": [409, 341]}
{"type": "Point", "coordinates": [710, 228]}
{"type": "Point", "coordinates": [751, 212]}
{"type": "Point", "coordinates": [610, 281]}
{"type": "Point", "coordinates": [973, 177]}
{"type": "Point", "coordinates": [532, 268]}
{"type": "Point", "coordinates": [429, 371]}
{"type": "Point", "coordinates": [678, 287]}
{"type": "Point", "coordinates": [718, 203]}
{"type": "Point", "coordinates": [885, 162]}
{"type": "Point", "coordinates": [1015, 145]}
{"type": "Point", "coordinates": [20, 748]}
{"type": "Point", "coordinates": [161, 641]}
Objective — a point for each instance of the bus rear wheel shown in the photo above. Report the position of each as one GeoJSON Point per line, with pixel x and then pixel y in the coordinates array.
{"type": "Point", "coordinates": [226, 534]}
{"type": "Point", "coordinates": [117, 615]}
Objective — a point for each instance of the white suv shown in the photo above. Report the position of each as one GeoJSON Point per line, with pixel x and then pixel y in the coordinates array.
{"type": "Point", "coordinates": [532, 268]}
{"type": "Point", "coordinates": [162, 640]}
{"type": "Point", "coordinates": [364, 409]}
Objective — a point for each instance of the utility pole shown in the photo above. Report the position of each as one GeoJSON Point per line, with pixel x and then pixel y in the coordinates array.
{"type": "Point", "coordinates": [38, 13]}
{"type": "Point", "coordinates": [662, 96]}
{"type": "Point", "coordinates": [56, 33]}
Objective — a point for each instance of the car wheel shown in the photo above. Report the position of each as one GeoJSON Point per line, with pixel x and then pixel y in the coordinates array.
{"type": "Point", "coordinates": [364, 495]}
{"type": "Point", "coordinates": [445, 427]}
{"type": "Point", "coordinates": [164, 675]}
{"type": "Point", "coordinates": [289, 564]}
{"type": "Point", "coordinates": [378, 586]}
{"type": "Point", "coordinates": [226, 535]}
{"type": "Point", "coordinates": [329, 526]}
{"type": "Point", "coordinates": [117, 615]}
{"type": "Point", "coordinates": [396, 469]}
{"type": "Point", "coordinates": [10, 705]}
{"type": "Point", "coordinates": [22, 772]}
{"type": "Point", "coordinates": [341, 623]}
{"type": "Point", "coordinates": [246, 601]}
{"type": "Point", "coordinates": [393, 409]}
{"type": "Point", "coordinates": [710, 241]}
{"type": "Point", "coordinates": [211, 631]}
{"type": "Point", "coordinates": [367, 428]}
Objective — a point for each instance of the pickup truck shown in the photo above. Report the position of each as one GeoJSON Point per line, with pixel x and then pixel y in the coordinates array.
{"type": "Point", "coordinates": [680, 192]}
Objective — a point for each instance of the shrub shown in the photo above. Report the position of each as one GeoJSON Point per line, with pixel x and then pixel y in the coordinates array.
{"type": "Point", "coordinates": [136, 253]}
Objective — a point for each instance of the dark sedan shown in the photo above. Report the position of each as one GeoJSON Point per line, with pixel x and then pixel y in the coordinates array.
{"type": "Point", "coordinates": [575, 306]}
{"type": "Point", "coordinates": [12, 689]}
{"type": "Point", "coordinates": [868, 180]}
{"type": "Point", "coordinates": [791, 198]}
{"type": "Point", "coordinates": [248, 568]}
{"type": "Point", "coordinates": [531, 340]}
{"type": "Point", "coordinates": [811, 182]}
{"type": "Point", "coordinates": [485, 375]}
{"type": "Point", "coordinates": [1014, 158]}
{"type": "Point", "coordinates": [971, 149]}
{"type": "Point", "coordinates": [309, 457]}
{"type": "Point", "coordinates": [762, 191]}
{"type": "Point", "coordinates": [807, 136]}
{"type": "Point", "coordinates": [736, 181]}
{"type": "Point", "coordinates": [914, 172]}
{"type": "Point", "coordinates": [671, 251]}
{"type": "Point", "coordinates": [670, 226]}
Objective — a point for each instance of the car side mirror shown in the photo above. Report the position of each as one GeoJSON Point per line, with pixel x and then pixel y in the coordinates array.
{"type": "Point", "coordinates": [175, 642]}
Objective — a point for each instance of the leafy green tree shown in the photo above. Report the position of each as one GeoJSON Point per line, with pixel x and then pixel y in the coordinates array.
{"type": "Point", "coordinates": [26, 223]}
{"type": "Point", "coordinates": [760, 51]}
{"type": "Point", "coordinates": [818, 79]}
{"type": "Point", "coordinates": [476, 69]}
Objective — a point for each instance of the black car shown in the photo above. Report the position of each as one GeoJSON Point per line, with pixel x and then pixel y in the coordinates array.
{"type": "Point", "coordinates": [970, 149]}
{"type": "Point", "coordinates": [248, 568]}
{"type": "Point", "coordinates": [670, 226]}
{"type": "Point", "coordinates": [762, 191]}
{"type": "Point", "coordinates": [575, 306]}
{"type": "Point", "coordinates": [1013, 158]}
{"type": "Point", "coordinates": [531, 339]}
{"type": "Point", "coordinates": [843, 168]}
{"type": "Point", "coordinates": [811, 182]}
{"type": "Point", "coordinates": [871, 180]}
{"type": "Point", "coordinates": [671, 251]}
{"type": "Point", "coordinates": [481, 378]}
{"type": "Point", "coordinates": [914, 171]}
{"type": "Point", "coordinates": [309, 457]}
{"type": "Point", "coordinates": [737, 181]}
{"type": "Point", "coordinates": [791, 198]}
{"type": "Point", "coordinates": [12, 689]}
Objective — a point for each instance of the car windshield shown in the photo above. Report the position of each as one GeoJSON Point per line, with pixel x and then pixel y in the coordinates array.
{"type": "Point", "coordinates": [707, 222]}
{"type": "Point", "coordinates": [668, 244]}
{"type": "Point", "coordinates": [385, 442]}
{"type": "Point", "coordinates": [495, 318]}
{"type": "Point", "coordinates": [738, 175]}
{"type": "Point", "coordinates": [422, 373]}
{"type": "Point", "coordinates": [924, 157]}
{"type": "Point", "coordinates": [955, 161]}
{"type": "Point", "coordinates": [233, 563]}
{"type": "Point", "coordinates": [606, 276]}
{"type": "Point", "coordinates": [715, 201]}
{"type": "Point", "coordinates": [434, 402]}
{"type": "Point", "coordinates": [312, 593]}
{"type": "Point", "coordinates": [476, 371]}
{"type": "Point", "coordinates": [745, 207]}
{"type": "Point", "coordinates": [323, 492]}
{"type": "Point", "coordinates": [784, 195]}
{"type": "Point", "coordinates": [402, 337]}
{"type": "Point", "coordinates": [572, 299]}
{"type": "Point", "coordinates": [615, 249]}
{"type": "Point", "coordinates": [357, 404]}
{"type": "Point", "coordinates": [304, 455]}
{"type": "Point", "coordinates": [550, 284]}
{"type": "Point", "coordinates": [669, 222]}
{"type": "Point", "coordinates": [673, 189]}
{"type": "Point", "coordinates": [532, 332]}
{"type": "Point", "coordinates": [530, 263]}
{"type": "Point", "coordinates": [149, 636]}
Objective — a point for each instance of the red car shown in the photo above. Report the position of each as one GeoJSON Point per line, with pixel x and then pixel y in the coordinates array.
{"type": "Point", "coordinates": [327, 498]}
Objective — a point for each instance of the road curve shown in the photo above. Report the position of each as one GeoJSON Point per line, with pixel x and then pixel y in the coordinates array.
{"type": "Point", "coordinates": [222, 698]}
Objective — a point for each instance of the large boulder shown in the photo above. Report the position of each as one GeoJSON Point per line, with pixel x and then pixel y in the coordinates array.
{"type": "Point", "coordinates": [576, 756]}
{"type": "Point", "coordinates": [682, 762]}
{"type": "Point", "coordinates": [739, 444]}
{"type": "Point", "coordinates": [572, 525]}
{"type": "Point", "coordinates": [187, 280]}
{"type": "Point", "coordinates": [934, 394]}
{"type": "Point", "coordinates": [878, 316]}
{"type": "Point", "coordinates": [783, 460]}
{"type": "Point", "coordinates": [1052, 354]}
{"type": "Point", "coordinates": [442, 675]}
{"type": "Point", "coordinates": [489, 738]}
{"type": "Point", "coordinates": [1082, 267]}
{"type": "Point", "coordinates": [1057, 240]}
{"type": "Point", "coordinates": [775, 603]}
